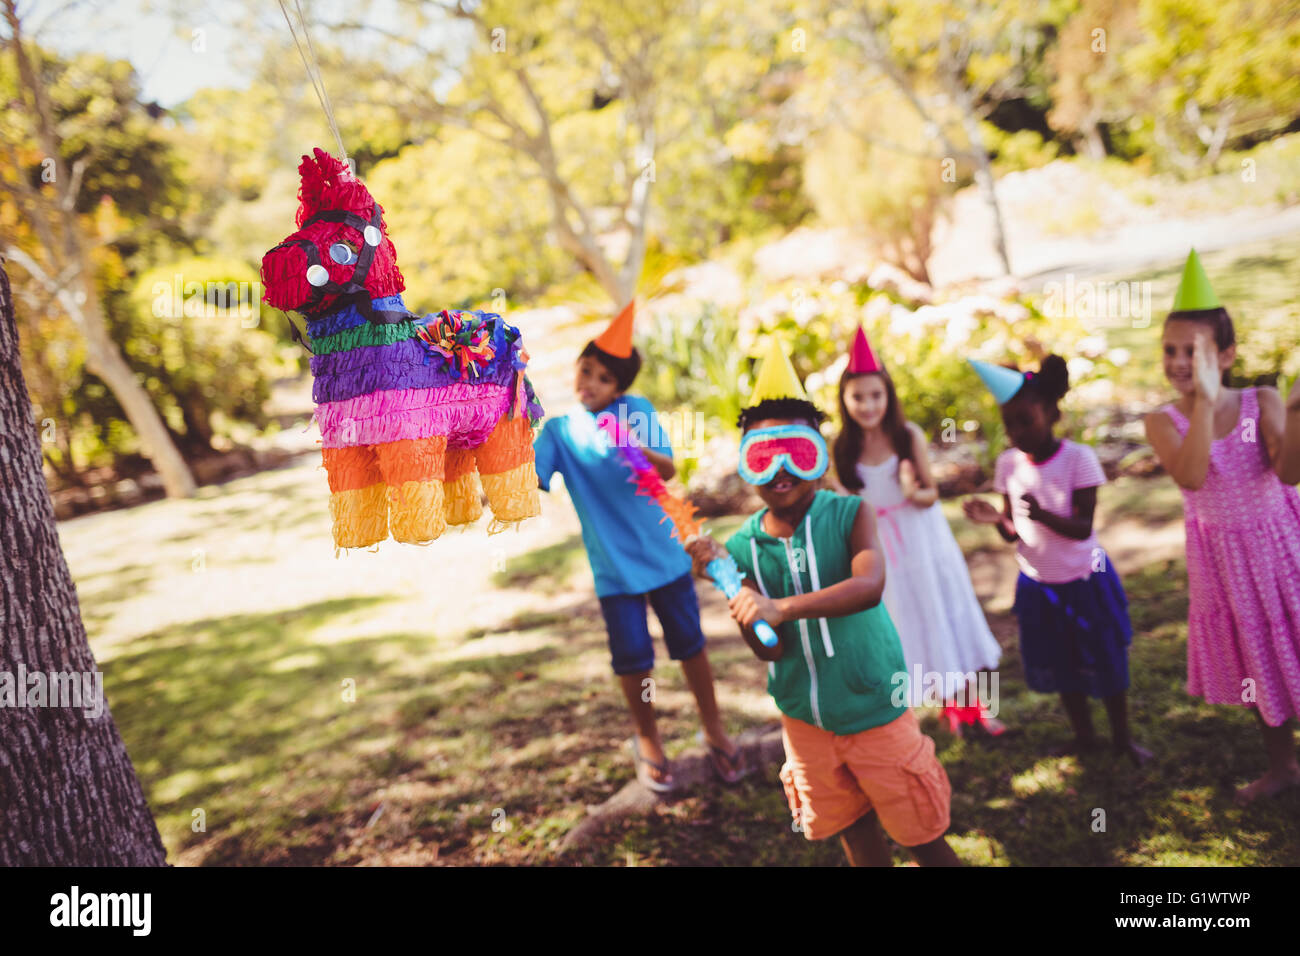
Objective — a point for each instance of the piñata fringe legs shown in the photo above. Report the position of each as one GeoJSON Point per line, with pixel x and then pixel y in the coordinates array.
{"type": "Point", "coordinates": [360, 516]}
{"type": "Point", "coordinates": [357, 497]}
{"type": "Point", "coordinates": [464, 500]}
{"type": "Point", "coordinates": [505, 465]}
{"type": "Point", "coordinates": [414, 469]}
{"type": "Point", "coordinates": [417, 511]}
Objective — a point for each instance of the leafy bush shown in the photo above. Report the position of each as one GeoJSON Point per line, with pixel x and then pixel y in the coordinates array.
{"type": "Point", "coordinates": [196, 330]}
{"type": "Point", "coordinates": [1021, 150]}
{"type": "Point", "coordinates": [693, 360]}
{"type": "Point", "coordinates": [893, 196]}
{"type": "Point", "coordinates": [1268, 346]}
{"type": "Point", "coordinates": [1274, 165]}
{"type": "Point", "coordinates": [702, 361]}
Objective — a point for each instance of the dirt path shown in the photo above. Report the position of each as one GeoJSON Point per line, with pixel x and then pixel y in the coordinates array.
{"type": "Point", "coordinates": [1140, 248]}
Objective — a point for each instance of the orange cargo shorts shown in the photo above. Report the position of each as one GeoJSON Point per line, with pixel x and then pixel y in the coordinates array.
{"type": "Point", "coordinates": [832, 781]}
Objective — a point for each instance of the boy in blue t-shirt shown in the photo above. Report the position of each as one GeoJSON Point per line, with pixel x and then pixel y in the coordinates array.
{"type": "Point", "coordinates": [633, 555]}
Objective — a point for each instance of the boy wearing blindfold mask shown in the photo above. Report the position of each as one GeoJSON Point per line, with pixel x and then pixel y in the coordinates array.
{"type": "Point", "coordinates": [857, 764]}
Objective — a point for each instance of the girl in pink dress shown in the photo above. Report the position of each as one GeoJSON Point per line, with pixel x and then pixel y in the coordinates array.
{"type": "Point", "coordinates": [1291, 446]}
{"type": "Point", "coordinates": [1224, 448]}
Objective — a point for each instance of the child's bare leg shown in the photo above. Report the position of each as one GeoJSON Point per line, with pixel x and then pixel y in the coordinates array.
{"type": "Point", "coordinates": [643, 715]}
{"type": "Point", "coordinates": [864, 842]}
{"type": "Point", "coordinates": [1117, 712]}
{"type": "Point", "coordinates": [935, 853]}
{"type": "Point", "coordinates": [1076, 708]}
{"type": "Point", "coordinates": [699, 677]}
{"type": "Point", "coordinates": [1283, 770]}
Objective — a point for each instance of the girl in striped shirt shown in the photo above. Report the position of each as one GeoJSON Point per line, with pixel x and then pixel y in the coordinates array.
{"type": "Point", "coordinates": [1073, 613]}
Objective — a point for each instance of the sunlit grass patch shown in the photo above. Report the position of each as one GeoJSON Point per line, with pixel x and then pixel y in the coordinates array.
{"type": "Point", "coordinates": [544, 569]}
{"type": "Point", "coordinates": [978, 850]}
{"type": "Point", "coordinates": [1046, 776]}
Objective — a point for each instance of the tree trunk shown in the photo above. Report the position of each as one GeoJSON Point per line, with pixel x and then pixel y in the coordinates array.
{"type": "Point", "coordinates": [983, 168]}
{"type": "Point", "coordinates": [1094, 145]}
{"type": "Point", "coordinates": [68, 793]}
{"type": "Point", "coordinates": [874, 41]}
{"type": "Point", "coordinates": [198, 427]}
{"type": "Point", "coordinates": [104, 360]}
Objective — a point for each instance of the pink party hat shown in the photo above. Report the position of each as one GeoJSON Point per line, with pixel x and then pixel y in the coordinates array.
{"type": "Point", "coordinates": [861, 358]}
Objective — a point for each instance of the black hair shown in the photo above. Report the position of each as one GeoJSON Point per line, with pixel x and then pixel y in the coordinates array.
{"type": "Point", "coordinates": [1048, 385]}
{"type": "Point", "coordinates": [848, 446]}
{"type": "Point", "coordinates": [1219, 321]}
{"type": "Point", "coordinates": [798, 409]}
{"type": "Point", "coordinates": [624, 370]}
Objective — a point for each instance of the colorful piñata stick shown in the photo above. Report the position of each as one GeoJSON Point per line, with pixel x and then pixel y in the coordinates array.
{"type": "Point", "coordinates": [726, 576]}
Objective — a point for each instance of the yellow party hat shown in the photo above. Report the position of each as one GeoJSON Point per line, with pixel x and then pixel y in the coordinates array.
{"type": "Point", "coordinates": [776, 377]}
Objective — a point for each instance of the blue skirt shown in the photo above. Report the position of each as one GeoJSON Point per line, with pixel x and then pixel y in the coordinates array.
{"type": "Point", "coordinates": [1074, 637]}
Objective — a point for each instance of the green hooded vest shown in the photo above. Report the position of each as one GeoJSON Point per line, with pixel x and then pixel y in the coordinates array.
{"type": "Point", "coordinates": [836, 673]}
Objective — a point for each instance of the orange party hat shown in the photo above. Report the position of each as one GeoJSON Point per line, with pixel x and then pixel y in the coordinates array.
{"type": "Point", "coordinates": [617, 339]}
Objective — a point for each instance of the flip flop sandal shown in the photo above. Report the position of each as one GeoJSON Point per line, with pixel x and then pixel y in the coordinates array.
{"type": "Point", "coordinates": [643, 774]}
{"type": "Point", "coordinates": [736, 759]}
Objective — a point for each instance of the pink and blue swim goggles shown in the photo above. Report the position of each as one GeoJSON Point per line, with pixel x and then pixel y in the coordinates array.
{"type": "Point", "coordinates": [799, 449]}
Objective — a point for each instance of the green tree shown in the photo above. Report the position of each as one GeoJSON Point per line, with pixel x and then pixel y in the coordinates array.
{"type": "Point", "coordinates": [1217, 72]}
{"type": "Point", "coordinates": [886, 191]}
{"type": "Point", "coordinates": [194, 331]}
{"type": "Point", "coordinates": [952, 62]}
{"type": "Point", "coordinates": [61, 262]}
{"type": "Point", "coordinates": [595, 102]}
{"type": "Point", "coordinates": [1091, 86]}
{"type": "Point", "coordinates": [459, 235]}
{"type": "Point", "coordinates": [1176, 79]}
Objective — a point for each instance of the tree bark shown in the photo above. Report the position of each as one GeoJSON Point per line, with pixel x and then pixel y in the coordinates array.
{"type": "Point", "coordinates": [1094, 145]}
{"type": "Point", "coordinates": [69, 795]}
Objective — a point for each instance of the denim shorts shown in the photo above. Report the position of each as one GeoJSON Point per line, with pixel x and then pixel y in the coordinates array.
{"type": "Point", "coordinates": [678, 611]}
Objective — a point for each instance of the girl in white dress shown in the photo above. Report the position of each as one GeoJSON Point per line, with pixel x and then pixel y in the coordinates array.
{"type": "Point", "coordinates": [882, 456]}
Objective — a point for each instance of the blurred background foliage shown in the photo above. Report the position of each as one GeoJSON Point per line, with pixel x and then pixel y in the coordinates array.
{"type": "Point", "coordinates": [758, 119]}
{"type": "Point", "coordinates": [704, 360]}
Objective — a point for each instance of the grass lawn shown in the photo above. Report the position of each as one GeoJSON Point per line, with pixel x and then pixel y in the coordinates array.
{"type": "Point", "coordinates": [305, 737]}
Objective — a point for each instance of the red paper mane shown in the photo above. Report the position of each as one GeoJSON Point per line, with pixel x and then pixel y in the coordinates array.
{"type": "Point", "coordinates": [327, 184]}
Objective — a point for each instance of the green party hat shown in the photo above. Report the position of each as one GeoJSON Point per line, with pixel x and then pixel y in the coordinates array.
{"type": "Point", "coordinates": [1194, 293]}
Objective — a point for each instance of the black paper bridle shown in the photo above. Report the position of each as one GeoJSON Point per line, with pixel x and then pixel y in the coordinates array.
{"type": "Point", "coordinates": [354, 291]}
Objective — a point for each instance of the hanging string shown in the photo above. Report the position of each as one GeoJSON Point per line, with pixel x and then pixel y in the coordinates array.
{"type": "Point", "coordinates": [312, 67]}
